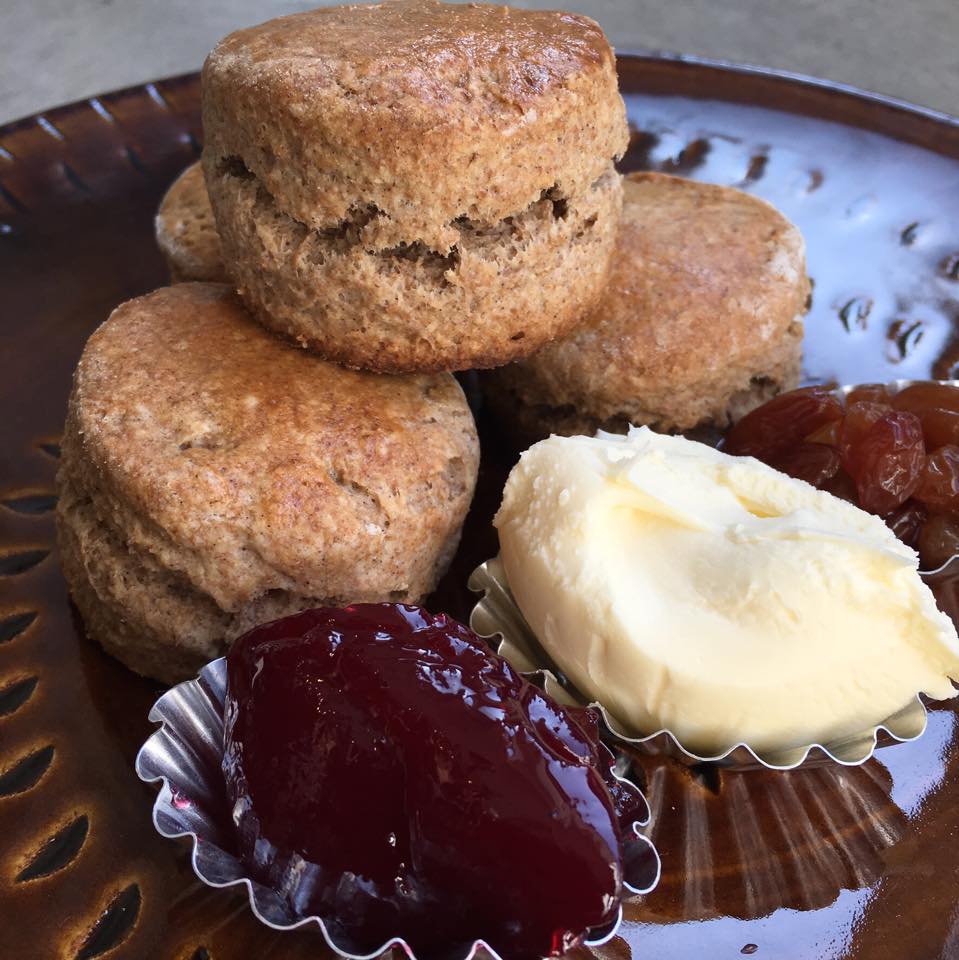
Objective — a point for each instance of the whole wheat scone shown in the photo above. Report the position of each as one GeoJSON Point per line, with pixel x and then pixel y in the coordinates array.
{"type": "Point", "coordinates": [701, 320]}
{"type": "Point", "coordinates": [214, 476]}
{"type": "Point", "coordinates": [186, 232]}
{"type": "Point", "coordinates": [415, 185]}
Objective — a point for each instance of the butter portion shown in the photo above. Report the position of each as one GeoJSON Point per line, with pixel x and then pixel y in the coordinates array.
{"type": "Point", "coordinates": [716, 597]}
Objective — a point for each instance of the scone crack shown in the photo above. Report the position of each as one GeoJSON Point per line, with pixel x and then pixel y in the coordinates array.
{"type": "Point", "coordinates": [369, 503]}
{"type": "Point", "coordinates": [365, 228]}
{"type": "Point", "coordinates": [233, 166]}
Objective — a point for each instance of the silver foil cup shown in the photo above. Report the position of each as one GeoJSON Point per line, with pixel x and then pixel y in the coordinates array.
{"type": "Point", "coordinates": [185, 755]}
{"type": "Point", "coordinates": [498, 619]}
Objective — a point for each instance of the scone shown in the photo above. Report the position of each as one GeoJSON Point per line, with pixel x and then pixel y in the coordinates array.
{"type": "Point", "coordinates": [185, 230]}
{"type": "Point", "coordinates": [214, 477]}
{"type": "Point", "coordinates": [701, 321]}
{"type": "Point", "coordinates": [415, 185]}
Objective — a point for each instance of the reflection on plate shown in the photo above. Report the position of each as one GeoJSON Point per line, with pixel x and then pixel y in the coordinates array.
{"type": "Point", "coordinates": [745, 845]}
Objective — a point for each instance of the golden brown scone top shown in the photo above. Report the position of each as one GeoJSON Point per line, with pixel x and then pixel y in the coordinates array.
{"type": "Point", "coordinates": [186, 232]}
{"type": "Point", "coordinates": [704, 278]}
{"type": "Point", "coordinates": [425, 111]}
{"type": "Point", "coordinates": [269, 467]}
{"type": "Point", "coordinates": [444, 55]}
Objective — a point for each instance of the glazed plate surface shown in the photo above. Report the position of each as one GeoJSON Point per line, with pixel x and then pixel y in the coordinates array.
{"type": "Point", "coordinates": [821, 864]}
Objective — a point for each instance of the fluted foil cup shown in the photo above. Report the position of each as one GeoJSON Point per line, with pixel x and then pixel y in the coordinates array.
{"type": "Point", "coordinates": [498, 619]}
{"type": "Point", "coordinates": [185, 756]}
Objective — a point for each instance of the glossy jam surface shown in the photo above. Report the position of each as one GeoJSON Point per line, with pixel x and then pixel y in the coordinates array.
{"type": "Point", "coordinates": [895, 454]}
{"type": "Point", "coordinates": [392, 775]}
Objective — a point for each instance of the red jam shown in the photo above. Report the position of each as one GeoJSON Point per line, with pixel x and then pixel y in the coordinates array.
{"type": "Point", "coordinates": [894, 454]}
{"type": "Point", "coordinates": [393, 776]}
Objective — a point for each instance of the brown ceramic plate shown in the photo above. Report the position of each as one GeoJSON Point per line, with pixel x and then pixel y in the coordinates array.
{"type": "Point", "coordinates": [822, 864]}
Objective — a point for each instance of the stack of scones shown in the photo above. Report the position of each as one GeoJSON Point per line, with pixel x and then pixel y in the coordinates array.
{"type": "Point", "coordinates": [398, 191]}
{"type": "Point", "coordinates": [390, 193]}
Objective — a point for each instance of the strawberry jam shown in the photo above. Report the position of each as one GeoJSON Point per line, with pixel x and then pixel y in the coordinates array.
{"type": "Point", "coordinates": [394, 777]}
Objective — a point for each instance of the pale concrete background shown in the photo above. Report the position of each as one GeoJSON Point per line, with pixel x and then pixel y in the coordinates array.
{"type": "Point", "coordinates": [54, 51]}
